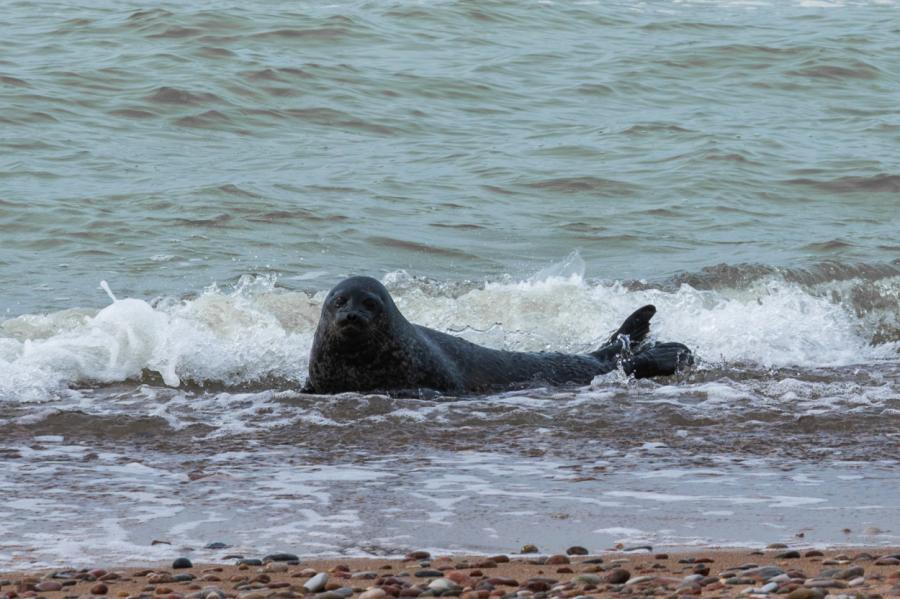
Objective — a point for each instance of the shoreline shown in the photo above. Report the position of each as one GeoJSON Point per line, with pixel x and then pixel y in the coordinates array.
{"type": "Point", "coordinates": [797, 573]}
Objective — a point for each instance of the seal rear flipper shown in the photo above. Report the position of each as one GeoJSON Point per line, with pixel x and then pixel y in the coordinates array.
{"type": "Point", "coordinates": [636, 326]}
{"type": "Point", "coordinates": [663, 359]}
{"type": "Point", "coordinates": [633, 331]}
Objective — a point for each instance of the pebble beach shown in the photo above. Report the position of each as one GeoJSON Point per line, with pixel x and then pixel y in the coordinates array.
{"type": "Point", "coordinates": [629, 572]}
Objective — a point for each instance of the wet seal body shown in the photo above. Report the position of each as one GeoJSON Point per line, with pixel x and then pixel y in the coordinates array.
{"type": "Point", "coordinates": [363, 343]}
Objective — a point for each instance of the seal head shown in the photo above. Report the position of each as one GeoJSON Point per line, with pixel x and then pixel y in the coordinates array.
{"type": "Point", "coordinates": [355, 312]}
{"type": "Point", "coordinates": [363, 343]}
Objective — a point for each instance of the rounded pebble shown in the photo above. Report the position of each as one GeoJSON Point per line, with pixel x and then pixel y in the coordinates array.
{"type": "Point", "coordinates": [618, 576]}
{"type": "Point", "coordinates": [182, 562]}
{"type": "Point", "coordinates": [316, 583]}
{"type": "Point", "coordinates": [281, 557]}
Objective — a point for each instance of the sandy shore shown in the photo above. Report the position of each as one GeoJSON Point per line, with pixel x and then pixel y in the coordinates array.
{"type": "Point", "coordinates": [797, 574]}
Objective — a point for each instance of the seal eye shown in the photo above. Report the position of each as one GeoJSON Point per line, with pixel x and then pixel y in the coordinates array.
{"type": "Point", "coordinates": [370, 304]}
{"type": "Point", "coordinates": [340, 301]}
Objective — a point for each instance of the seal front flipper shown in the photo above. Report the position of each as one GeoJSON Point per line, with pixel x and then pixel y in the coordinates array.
{"type": "Point", "coordinates": [663, 359]}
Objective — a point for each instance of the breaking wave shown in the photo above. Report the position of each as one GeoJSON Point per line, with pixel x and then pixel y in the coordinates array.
{"type": "Point", "coordinates": [260, 333]}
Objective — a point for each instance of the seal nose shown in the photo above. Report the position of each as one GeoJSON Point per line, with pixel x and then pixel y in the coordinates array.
{"type": "Point", "coordinates": [351, 318]}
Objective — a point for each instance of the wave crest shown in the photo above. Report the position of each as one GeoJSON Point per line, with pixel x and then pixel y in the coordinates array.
{"type": "Point", "coordinates": [258, 333]}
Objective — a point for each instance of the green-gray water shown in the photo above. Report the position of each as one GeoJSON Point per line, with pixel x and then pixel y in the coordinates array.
{"type": "Point", "coordinates": [523, 174]}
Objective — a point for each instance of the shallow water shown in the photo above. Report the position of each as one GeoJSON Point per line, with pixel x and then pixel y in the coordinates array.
{"type": "Point", "coordinates": [521, 174]}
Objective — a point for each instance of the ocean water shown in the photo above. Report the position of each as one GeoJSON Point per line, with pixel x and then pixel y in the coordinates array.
{"type": "Point", "coordinates": [180, 185]}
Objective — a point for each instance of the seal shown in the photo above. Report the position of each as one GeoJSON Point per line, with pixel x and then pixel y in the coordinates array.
{"type": "Point", "coordinates": [363, 343]}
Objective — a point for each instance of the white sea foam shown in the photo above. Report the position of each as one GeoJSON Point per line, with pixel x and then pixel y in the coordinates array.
{"type": "Point", "coordinates": [257, 332]}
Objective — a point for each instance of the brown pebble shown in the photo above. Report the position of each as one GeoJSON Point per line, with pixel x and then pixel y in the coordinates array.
{"type": "Point", "coordinates": [417, 555]}
{"type": "Point", "coordinates": [459, 577]}
{"type": "Point", "coordinates": [576, 550]}
{"type": "Point", "coordinates": [617, 576]}
{"type": "Point", "coordinates": [564, 570]}
{"type": "Point", "coordinates": [555, 560]}
{"type": "Point", "coordinates": [99, 589]}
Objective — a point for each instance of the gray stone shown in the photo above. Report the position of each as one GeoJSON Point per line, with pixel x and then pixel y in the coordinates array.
{"type": "Point", "coordinates": [216, 545]}
{"type": "Point", "coordinates": [764, 572]}
{"type": "Point", "coordinates": [281, 557]}
{"type": "Point", "coordinates": [824, 583]}
{"type": "Point", "coordinates": [316, 583]}
{"type": "Point", "coordinates": [850, 573]}
{"type": "Point", "coordinates": [443, 585]}
{"type": "Point", "coordinates": [792, 554]}
{"type": "Point", "coordinates": [587, 579]}
{"type": "Point", "coordinates": [250, 561]}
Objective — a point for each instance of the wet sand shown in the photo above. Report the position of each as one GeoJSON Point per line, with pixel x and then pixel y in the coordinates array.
{"type": "Point", "coordinates": [795, 573]}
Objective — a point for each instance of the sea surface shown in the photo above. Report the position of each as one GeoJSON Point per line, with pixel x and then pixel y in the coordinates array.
{"type": "Point", "coordinates": [182, 182]}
